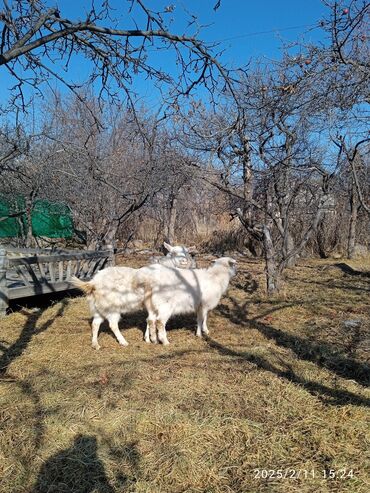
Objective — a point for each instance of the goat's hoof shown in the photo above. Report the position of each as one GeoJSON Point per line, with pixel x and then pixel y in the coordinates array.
{"type": "Point", "coordinates": [198, 334]}
{"type": "Point", "coordinates": [165, 343]}
{"type": "Point", "coordinates": [205, 332]}
{"type": "Point", "coordinates": [147, 340]}
{"type": "Point", "coordinates": [123, 343]}
{"type": "Point", "coordinates": [96, 346]}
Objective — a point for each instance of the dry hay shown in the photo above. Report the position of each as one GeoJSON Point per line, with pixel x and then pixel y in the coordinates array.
{"type": "Point", "coordinates": [280, 384]}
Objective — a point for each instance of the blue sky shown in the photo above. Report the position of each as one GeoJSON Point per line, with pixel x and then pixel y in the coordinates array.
{"type": "Point", "coordinates": [256, 27]}
{"type": "Point", "coordinates": [246, 30]}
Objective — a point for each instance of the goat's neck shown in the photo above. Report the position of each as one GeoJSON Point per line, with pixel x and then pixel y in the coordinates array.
{"type": "Point", "coordinates": [222, 276]}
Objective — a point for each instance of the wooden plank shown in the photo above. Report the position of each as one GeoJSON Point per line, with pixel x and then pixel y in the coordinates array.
{"type": "Point", "coordinates": [44, 288]}
{"type": "Point", "coordinates": [99, 265]}
{"type": "Point", "coordinates": [76, 270]}
{"type": "Point", "coordinates": [56, 258]}
{"type": "Point", "coordinates": [69, 270]}
{"type": "Point", "coordinates": [52, 272]}
{"type": "Point", "coordinates": [42, 270]}
{"type": "Point", "coordinates": [39, 272]}
{"type": "Point", "coordinates": [22, 275]}
{"type": "Point", "coordinates": [32, 274]}
{"type": "Point", "coordinates": [51, 251]}
{"type": "Point", "coordinates": [93, 268]}
{"type": "Point", "coordinates": [61, 270]}
{"type": "Point", "coordinates": [104, 263]}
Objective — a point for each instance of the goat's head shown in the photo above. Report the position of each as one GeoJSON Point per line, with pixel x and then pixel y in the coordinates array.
{"type": "Point", "coordinates": [226, 262]}
{"type": "Point", "coordinates": [182, 255]}
{"type": "Point", "coordinates": [179, 250]}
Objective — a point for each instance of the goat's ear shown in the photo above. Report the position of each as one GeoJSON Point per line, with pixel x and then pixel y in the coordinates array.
{"type": "Point", "coordinates": [192, 249]}
{"type": "Point", "coordinates": [232, 262]}
{"type": "Point", "coordinates": [167, 246]}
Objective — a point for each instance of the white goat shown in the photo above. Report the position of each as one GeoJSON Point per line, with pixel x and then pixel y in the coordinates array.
{"type": "Point", "coordinates": [177, 256]}
{"type": "Point", "coordinates": [112, 292]}
{"type": "Point", "coordinates": [171, 291]}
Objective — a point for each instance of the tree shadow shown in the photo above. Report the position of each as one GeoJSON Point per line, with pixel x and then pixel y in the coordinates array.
{"type": "Point", "coordinates": [332, 285]}
{"type": "Point", "coordinates": [336, 396]}
{"type": "Point", "coordinates": [347, 269]}
{"type": "Point", "coordinates": [41, 300]}
{"type": "Point", "coordinates": [29, 330]}
{"type": "Point", "coordinates": [321, 353]}
{"type": "Point", "coordinates": [37, 419]}
{"type": "Point", "coordinates": [77, 469]}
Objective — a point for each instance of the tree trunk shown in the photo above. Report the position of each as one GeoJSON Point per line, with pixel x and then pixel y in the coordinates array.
{"type": "Point", "coordinates": [352, 223]}
{"type": "Point", "coordinates": [272, 273]}
{"type": "Point", "coordinates": [320, 238]}
{"type": "Point", "coordinates": [110, 242]}
{"type": "Point", "coordinates": [287, 248]}
{"type": "Point", "coordinates": [30, 240]}
{"type": "Point", "coordinates": [172, 220]}
{"type": "Point", "coordinates": [247, 183]}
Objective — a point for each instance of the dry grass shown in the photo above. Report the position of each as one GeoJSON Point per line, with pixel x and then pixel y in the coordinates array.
{"type": "Point", "coordinates": [279, 384]}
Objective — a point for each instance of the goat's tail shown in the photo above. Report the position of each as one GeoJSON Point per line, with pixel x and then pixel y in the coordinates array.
{"type": "Point", "coordinates": [85, 286]}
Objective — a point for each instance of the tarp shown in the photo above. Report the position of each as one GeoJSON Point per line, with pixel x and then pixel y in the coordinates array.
{"type": "Point", "coordinates": [52, 220]}
{"type": "Point", "coordinates": [12, 226]}
{"type": "Point", "coordinates": [48, 219]}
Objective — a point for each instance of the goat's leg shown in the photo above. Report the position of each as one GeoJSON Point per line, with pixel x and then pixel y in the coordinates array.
{"type": "Point", "coordinates": [162, 335]}
{"type": "Point", "coordinates": [202, 321]}
{"type": "Point", "coordinates": [146, 335]}
{"type": "Point", "coordinates": [97, 321]}
{"type": "Point", "coordinates": [205, 330]}
{"type": "Point", "coordinates": [113, 320]}
{"type": "Point", "coordinates": [151, 331]}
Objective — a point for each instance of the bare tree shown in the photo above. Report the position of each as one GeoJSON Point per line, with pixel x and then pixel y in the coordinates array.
{"type": "Point", "coordinates": [38, 42]}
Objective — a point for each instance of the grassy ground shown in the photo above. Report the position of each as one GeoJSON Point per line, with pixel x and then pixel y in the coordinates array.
{"type": "Point", "coordinates": [279, 385]}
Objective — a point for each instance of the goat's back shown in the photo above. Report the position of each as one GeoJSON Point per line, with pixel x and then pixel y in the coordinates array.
{"type": "Point", "coordinates": [115, 292]}
{"type": "Point", "coordinates": [183, 290]}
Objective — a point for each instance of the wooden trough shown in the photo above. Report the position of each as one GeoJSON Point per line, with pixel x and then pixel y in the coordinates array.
{"type": "Point", "coordinates": [28, 272]}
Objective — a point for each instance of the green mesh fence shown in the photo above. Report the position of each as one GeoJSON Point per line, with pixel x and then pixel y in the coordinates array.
{"type": "Point", "coordinates": [51, 220]}
{"type": "Point", "coordinates": [16, 225]}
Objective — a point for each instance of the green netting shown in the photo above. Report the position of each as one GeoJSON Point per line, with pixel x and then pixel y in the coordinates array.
{"type": "Point", "coordinates": [51, 220]}
{"type": "Point", "coordinates": [12, 226]}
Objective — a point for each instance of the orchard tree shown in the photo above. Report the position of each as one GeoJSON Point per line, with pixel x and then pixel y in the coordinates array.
{"type": "Point", "coordinates": [39, 42]}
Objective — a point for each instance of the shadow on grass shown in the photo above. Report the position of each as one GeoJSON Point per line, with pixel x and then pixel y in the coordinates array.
{"type": "Point", "coordinates": [130, 455]}
{"type": "Point", "coordinates": [138, 319]}
{"type": "Point", "coordinates": [330, 284]}
{"type": "Point", "coordinates": [337, 396]}
{"type": "Point", "coordinates": [322, 354]}
{"type": "Point", "coordinates": [77, 469]}
{"type": "Point", "coordinates": [347, 269]}
{"type": "Point", "coordinates": [28, 391]}
{"type": "Point", "coordinates": [29, 330]}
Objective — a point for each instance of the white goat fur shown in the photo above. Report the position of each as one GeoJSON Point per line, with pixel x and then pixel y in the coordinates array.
{"type": "Point", "coordinates": [170, 291]}
{"type": "Point", "coordinates": [112, 292]}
